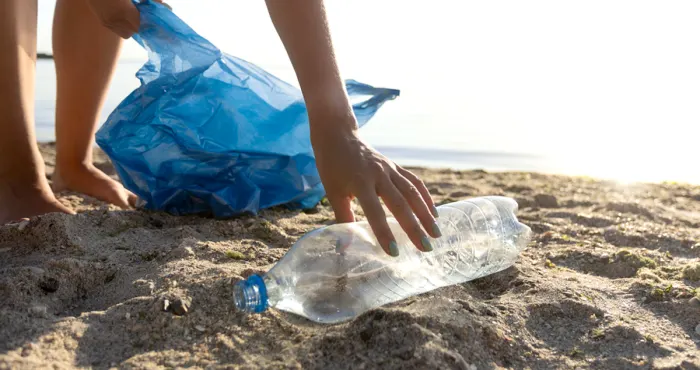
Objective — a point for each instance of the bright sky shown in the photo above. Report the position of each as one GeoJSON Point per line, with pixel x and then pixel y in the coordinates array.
{"type": "Point", "coordinates": [556, 76]}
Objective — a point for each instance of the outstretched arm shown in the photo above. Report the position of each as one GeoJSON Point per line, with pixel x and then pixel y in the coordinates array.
{"type": "Point", "coordinates": [347, 165]}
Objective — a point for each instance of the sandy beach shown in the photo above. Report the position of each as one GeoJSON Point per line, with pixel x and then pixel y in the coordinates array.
{"type": "Point", "coordinates": [609, 281]}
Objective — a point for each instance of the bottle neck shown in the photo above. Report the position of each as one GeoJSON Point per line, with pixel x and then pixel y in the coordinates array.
{"type": "Point", "coordinates": [250, 295]}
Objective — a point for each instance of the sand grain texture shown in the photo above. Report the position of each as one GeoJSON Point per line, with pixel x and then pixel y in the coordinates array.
{"type": "Point", "coordinates": [608, 282]}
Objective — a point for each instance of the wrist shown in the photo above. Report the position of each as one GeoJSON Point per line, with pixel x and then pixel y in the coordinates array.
{"type": "Point", "coordinates": [330, 113]}
{"type": "Point", "coordinates": [342, 120]}
{"type": "Point", "coordinates": [325, 99]}
{"type": "Point", "coordinates": [327, 131]}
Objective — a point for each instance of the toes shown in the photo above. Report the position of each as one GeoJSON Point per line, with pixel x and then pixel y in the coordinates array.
{"type": "Point", "coordinates": [30, 208]}
{"type": "Point", "coordinates": [118, 196]}
{"type": "Point", "coordinates": [132, 198]}
{"type": "Point", "coordinates": [123, 198]}
{"type": "Point", "coordinates": [95, 183]}
{"type": "Point", "coordinates": [62, 208]}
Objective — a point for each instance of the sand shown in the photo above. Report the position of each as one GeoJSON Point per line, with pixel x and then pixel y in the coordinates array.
{"type": "Point", "coordinates": [607, 282]}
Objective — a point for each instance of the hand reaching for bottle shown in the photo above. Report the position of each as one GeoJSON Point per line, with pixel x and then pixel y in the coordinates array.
{"type": "Point", "coordinates": [349, 168]}
{"type": "Point", "coordinates": [120, 16]}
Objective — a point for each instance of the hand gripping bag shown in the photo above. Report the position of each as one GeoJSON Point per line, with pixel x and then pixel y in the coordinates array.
{"type": "Point", "coordinates": [207, 132]}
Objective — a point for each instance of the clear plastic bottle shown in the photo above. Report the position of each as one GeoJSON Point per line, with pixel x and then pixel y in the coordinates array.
{"type": "Point", "coordinates": [338, 272]}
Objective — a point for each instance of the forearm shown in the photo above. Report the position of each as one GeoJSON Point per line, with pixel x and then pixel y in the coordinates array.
{"type": "Point", "coordinates": [303, 28]}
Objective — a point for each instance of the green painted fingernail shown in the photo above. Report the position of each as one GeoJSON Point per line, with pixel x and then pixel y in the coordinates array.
{"type": "Point", "coordinates": [436, 230]}
{"type": "Point", "coordinates": [427, 247]}
{"type": "Point", "coordinates": [435, 212]}
{"type": "Point", "coordinates": [393, 249]}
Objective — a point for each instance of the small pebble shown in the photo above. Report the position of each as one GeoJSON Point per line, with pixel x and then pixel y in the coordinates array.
{"type": "Point", "coordinates": [200, 328]}
{"type": "Point", "coordinates": [179, 307]}
{"type": "Point", "coordinates": [166, 305]}
{"type": "Point", "coordinates": [182, 252]}
{"type": "Point", "coordinates": [23, 225]}
{"type": "Point", "coordinates": [695, 301]}
{"type": "Point", "coordinates": [697, 329]}
{"type": "Point", "coordinates": [127, 316]}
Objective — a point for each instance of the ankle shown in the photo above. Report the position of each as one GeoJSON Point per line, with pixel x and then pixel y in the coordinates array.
{"type": "Point", "coordinates": [22, 190]}
{"type": "Point", "coordinates": [23, 173]}
{"type": "Point", "coordinates": [23, 180]}
{"type": "Point", "coordinates": [69, 168]}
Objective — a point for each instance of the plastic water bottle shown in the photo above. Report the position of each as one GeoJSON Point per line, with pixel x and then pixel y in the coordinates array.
{"type": "Point", "coordinates": [338, 272]}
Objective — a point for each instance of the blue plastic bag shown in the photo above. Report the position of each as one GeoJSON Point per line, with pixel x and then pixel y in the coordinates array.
{"type": "Point", "coordinates": [207, 132]}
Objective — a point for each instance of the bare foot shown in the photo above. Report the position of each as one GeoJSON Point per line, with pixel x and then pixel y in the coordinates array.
{"type": "Point", "coordinates": [87, 179]}
{"type": "Point", "coordinates": [19, 202]}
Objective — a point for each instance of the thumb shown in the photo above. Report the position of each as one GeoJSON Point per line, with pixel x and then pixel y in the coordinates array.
{"type": "Point", "coordinates": [342, 209]}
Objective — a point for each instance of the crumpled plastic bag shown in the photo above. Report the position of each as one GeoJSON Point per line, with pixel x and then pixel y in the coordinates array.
{"type": "Point", "coordinates": [207, 132]}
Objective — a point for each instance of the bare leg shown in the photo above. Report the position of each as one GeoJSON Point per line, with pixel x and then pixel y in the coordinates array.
{"type": "Point", "coordinates": [24, 190]}
{"type": "Point", "coordinates": [85, 53]}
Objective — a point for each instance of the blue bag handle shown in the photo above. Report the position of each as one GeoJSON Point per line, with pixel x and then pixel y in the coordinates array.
{"type": "Point", "coordinates": [376, 97]}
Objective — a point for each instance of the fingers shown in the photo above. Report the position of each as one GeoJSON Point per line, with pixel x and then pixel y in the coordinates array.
{"type": "Point", "coordinates": [127, 25]}
{"type": "Point", "coordinates": [420, 186]}
{"type": "Point", "coordinates": [121, 17]}
{"type": "Point", "coordinates": [399, 205]}
{"type": "Point", "coordinates": [377, 220]}
{"type": "Point", "coordinates": [415, 199]}
{"type": "Point", "coordinates": [342, 208]}
{"type": "Point", "coordinates": [343, 214]}
{"type": "Point", "coordinates": [404, 196]}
